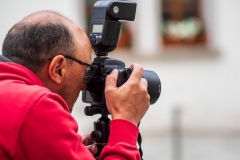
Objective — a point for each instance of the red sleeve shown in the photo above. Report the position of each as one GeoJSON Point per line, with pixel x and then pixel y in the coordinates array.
{"type": "Point", "coordinates": [49, 132]}
{"type": "Point", "coordinates": [122, 142]}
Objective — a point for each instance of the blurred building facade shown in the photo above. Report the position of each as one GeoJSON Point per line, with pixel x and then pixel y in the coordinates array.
{"type": "Point", "coordinates": [202, 81]}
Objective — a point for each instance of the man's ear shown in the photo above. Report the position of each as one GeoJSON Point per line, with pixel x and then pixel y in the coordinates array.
{"type": "Point", "coordinates": [57, 69]}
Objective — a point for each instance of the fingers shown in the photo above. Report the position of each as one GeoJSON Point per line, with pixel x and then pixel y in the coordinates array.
{"type": "Point", "coordinates": [87, 139]}
{"type": "Point", "coordinates": [111, 80]}
{"type": "Point", "coordinates": [136, 76]}
{"type": "Point", "coordinates": [144, 82]}
{"type": "Point", "coordinates": [92, 148]}
{"type": "Point", "coordinates": [88, 142]}
{"type": "Point", "coordinates": [137, 72]}
{"type": "Point", "coordinates": [130, 101]}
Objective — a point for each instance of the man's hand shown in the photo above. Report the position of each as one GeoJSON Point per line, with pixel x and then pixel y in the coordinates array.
{"type": "Point", "coordinates": [88, 142]}
{"type": "Point", "coordinates": [131, 100]}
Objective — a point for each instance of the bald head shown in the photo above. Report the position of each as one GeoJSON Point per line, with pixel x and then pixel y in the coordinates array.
{"type": "Point", "coordinates": [44, 17]}
{"type": "Point", "coordinates": [40, 36]}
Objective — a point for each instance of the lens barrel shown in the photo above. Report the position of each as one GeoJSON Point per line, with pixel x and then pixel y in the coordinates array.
{"type": "Point", "coordinates": [154, 85]}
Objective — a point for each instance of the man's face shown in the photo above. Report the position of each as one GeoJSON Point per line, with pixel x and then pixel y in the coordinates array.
{"type": "Point", "coordinates": [74, 81]}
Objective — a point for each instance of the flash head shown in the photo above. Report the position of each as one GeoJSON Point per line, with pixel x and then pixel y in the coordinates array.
{"type": "Point", "coordinates": [105, 26]}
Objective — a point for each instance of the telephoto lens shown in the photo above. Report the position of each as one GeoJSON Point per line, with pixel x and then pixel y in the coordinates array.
{"type": "Point", "coordinates": [154, 85]}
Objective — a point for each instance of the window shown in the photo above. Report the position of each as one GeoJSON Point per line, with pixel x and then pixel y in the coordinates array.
{"type": "Point", "coordinates": [182, 22]}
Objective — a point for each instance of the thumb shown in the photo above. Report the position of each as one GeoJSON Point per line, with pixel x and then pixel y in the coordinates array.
{"type": "Point", "coordinates": [92, 148]}
{"type": "Point", "coordinates": [111, 79]}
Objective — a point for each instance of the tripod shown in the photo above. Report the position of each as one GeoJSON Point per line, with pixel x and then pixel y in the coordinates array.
{"type": "Point", "coordinates": [100, 134]}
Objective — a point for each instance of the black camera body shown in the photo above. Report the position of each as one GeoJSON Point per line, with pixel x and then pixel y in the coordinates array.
{"type": "Point", "coordinates": [104, 33]}
{"type": "Point", "coordinates": [104, 66]}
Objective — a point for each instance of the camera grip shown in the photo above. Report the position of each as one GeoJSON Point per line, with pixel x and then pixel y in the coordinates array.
{"type": "Point", "coordinates": [123, 76]}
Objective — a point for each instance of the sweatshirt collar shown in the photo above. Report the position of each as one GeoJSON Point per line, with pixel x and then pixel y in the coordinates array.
{"type": "Point", "coordinates": [10, 70]}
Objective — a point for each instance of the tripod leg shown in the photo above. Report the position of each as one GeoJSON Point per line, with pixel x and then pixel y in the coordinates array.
{"type": "Point", "coordinates": [100, 135]}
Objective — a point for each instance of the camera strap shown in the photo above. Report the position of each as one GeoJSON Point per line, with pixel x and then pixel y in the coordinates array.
{"type": "Point", "coordinates": [139, 140]}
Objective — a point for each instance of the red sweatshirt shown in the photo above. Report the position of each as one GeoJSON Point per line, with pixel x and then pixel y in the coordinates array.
{"type": "Point", "coordinates": [35, 124]}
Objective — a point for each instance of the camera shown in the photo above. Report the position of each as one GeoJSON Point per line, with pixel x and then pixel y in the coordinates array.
{"type": "Point", "coordinates": [104, 33]}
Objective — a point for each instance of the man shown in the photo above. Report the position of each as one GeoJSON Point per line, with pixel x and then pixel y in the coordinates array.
{"type": "Point", "coordinates": [38, 89]}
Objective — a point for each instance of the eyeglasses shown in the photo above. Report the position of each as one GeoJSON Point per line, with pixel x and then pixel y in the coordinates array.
{"type": "Point", "coordinates": [74, 59]}
{"type": "Point", "coordinates": [91, 68]}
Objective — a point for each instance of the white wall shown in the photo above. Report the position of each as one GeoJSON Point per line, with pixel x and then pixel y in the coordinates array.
{"type": "Point", "coordinates": [205, 86]}
{"type": "Point", "coordinates": [12, 11]}
{"type": "Point", "coordinates": [219, 88]}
